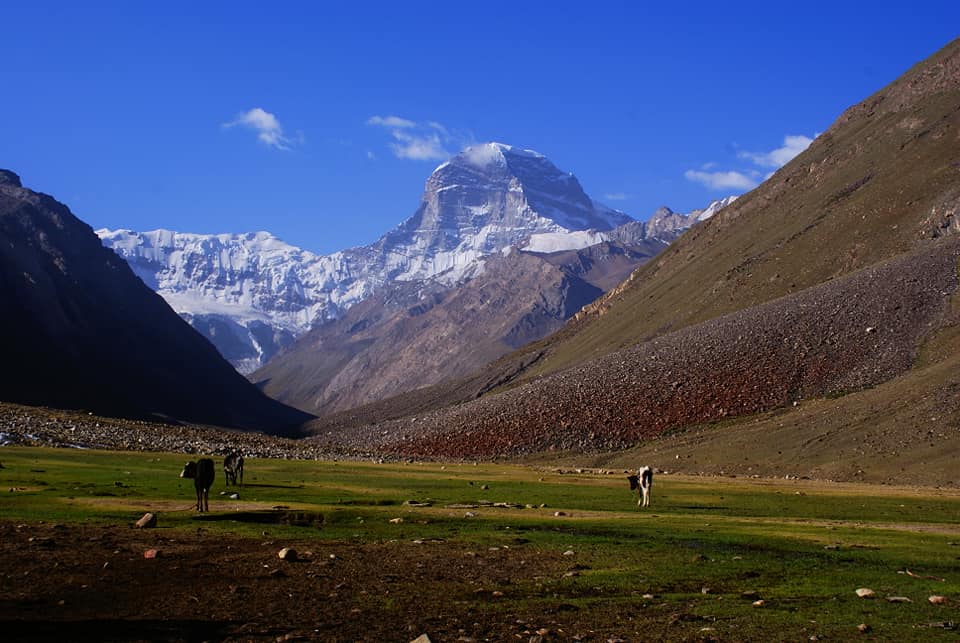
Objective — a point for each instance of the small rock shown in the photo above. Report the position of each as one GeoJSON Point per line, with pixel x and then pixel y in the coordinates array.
{"type": "Point", "coordinates": [151, 553]}
{"type": "Point", "coordinates": [396, 521]}
{"type": "Point", "coordinates": [648, 597]}
{"type": "Point", "coordinates": [937, 600]}
{"type": "Point", "coordinates": [569, 552]}
{"type": "Point", "coordinates": [898, 599]}
{"type": "Point", "coordinates": [559, 513]}
{"type": "Point", "coordinates": [496, 593]}
{"type": "Point", "coordinates": [148, 521]}
{"type": "Point", "coordinates": [287, 553]}
{"type": "Point", "coordinates": [706, 590]}
{"type": "Point", "coordinates": [423, 638]}
{"type": "Point", "coordinates": [866, 592]}
{"type": "Point", "coordinates": [759, 603]}
{"type": "Point", "coordinates": [234, 496]}
{"type": "Point", "coordinates": [470, 514]}
{"type": "Point", "coordinates": [485, 487]}
{"type": "Point", "coordinates": [863, 628]}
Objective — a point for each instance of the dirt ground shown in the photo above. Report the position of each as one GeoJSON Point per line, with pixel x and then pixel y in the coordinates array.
{"type": "Point", "coordinates": [94, 583]}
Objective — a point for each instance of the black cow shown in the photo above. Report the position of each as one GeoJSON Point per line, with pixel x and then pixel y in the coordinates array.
{"type": "Point", "coordinates": [202, 473]}
{"type": "Point", "coordinates": [233, 467]}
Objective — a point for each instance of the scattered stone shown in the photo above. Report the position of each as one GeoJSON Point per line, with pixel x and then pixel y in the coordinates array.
{"type": "Point", "coordinates": [557, 514]}
{"type": "Point", "coordinates": [288, 554]}
{"type": "Point", "coordinates": [148, 521]}
{"type": "Point", "coordinates": [396, 521]}
{"type": "Point", "coordinates": [759, 603]}
{"type": "Point", "coordinates": [234, 496]}
{"type": "Point", "coordinates": [863, 628]}
{"type": "Point", "coordinates": [898, 599]}
{"type": "Point", "coordinates": [648, 597]}
{"type": "Point", "coordinates": [470, 514]}
{"type": "Point", "coordinates": [569, 552]}
{"type": "Point", "coordinates": [151, 553]}
{"type": "Point", "coordinates": [496, 593]}
{"type": "Point", "coordinates": [485, 487]}
{"type": "Point", "coordinates": [866, 592]}
{"type": "Point", "coordinates": [937, 600]}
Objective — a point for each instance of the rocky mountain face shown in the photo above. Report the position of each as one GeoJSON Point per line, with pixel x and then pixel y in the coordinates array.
{"type": "Point", "coordinates": [79, 330]}
{"type": "Point", "coordinates": [835, 279]}
{"type": "Point", "coordinates": [405, 338]}
{"type": "Point", "coordinates": [252, 294]}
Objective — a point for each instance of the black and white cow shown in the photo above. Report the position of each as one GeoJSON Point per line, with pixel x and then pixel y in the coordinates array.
{"type": "Point", "coordinates": [643, 482]}
{"type": "Point", "coordinates": [233, 467]}
{"type": "Point", "coordinates": [202, 473]}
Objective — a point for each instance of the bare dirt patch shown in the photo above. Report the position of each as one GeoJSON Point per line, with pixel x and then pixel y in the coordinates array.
{"type": "Point", "coordinates": [84, 582]}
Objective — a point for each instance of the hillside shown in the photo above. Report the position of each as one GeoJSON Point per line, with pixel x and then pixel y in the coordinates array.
{"type": "Point", "coordinates": [79, 330]}
{"type": "Point", "coordinates": [414, 336]}
{"type": "Point", "coordinates": [880, 181]}
{"type": "Point", "coordinates": [826, 280]}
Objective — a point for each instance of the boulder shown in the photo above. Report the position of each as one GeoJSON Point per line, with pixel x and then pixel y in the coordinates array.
{"type": "Point", "coordinates": [148, 521]}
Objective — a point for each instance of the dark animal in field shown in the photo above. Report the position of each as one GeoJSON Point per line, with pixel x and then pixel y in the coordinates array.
{"type": "Point", "coordinates": [233, 467]}
{"type": "Point", "coordinates": [643, 482]}
{"type": "Point", "coordinates": [202, 473]}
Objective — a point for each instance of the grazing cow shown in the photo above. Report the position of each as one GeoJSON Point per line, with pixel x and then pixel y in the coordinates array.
{"type": "Point", "coordinates": [202, 473]}
{"type": "Point", "coordinates": [643, 481]}
{"type": "Point", "coordinates": [233, 467]}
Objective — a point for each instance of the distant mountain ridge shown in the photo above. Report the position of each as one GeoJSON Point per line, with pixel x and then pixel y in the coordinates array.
{"type": "Point", "coordinates": [79, 330]}
{"type": "Point", "coordinates": [253, 294]}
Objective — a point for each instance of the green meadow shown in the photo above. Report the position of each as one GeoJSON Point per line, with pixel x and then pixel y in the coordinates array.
{"type": "Point", "coordinates": [700, 557]}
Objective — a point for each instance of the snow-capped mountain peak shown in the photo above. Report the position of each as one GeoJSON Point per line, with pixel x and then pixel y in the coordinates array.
{"type": "Point", "coordinates": [252, 293]}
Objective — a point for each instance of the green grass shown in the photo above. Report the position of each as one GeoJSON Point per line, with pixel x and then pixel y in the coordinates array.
{"type": "Point", "coordinates": [803, 547]}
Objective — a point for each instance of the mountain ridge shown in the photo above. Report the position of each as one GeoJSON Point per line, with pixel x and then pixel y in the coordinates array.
{"type": "Point", "coordinates": [252, 294]}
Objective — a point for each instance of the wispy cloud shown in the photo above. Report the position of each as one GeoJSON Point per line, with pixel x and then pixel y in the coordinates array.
{"type": "Point", "coordinates": [748, 178]}
{"type": "Point", "coordinates": [616, 196]}
{"type": "Point", "coordinates": [426, 141]}
{"type": "Point", "coordinates": [730, 180]}
{"type": "Point", "coordinates": [268, 128]}
{"type": "Point", "coordinates": [391, 121]}
{"type": "Point", "coordinates": [792, 145]}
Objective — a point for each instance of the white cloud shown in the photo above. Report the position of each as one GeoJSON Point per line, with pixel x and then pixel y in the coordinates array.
{"type": "Point", "coordinates": [417, 147]}
{"type": "Point", "coordinates": [425, 141]}
{"type": "Point", "coordinates": [792, 145]}
{"type": "Point", "coordinates": [722, 180]}
{"type": "Point", "coordinates": [268, 128]}
{"type": "Point", "coordinates": [482, 155]}
{"type": "Point", "coordinates": [390, 121]}
{"type": "Point", "coordinates": [616, 196]}
{"type": "Point", "coordinates": [747, 179]}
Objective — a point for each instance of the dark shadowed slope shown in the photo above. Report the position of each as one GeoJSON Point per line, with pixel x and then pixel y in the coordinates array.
{"type": "Point", "coordinates": [79, 330]}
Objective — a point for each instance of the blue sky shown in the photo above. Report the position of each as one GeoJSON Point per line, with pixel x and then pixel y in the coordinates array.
{"type": "Point", "coordinates": [321, 123]}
